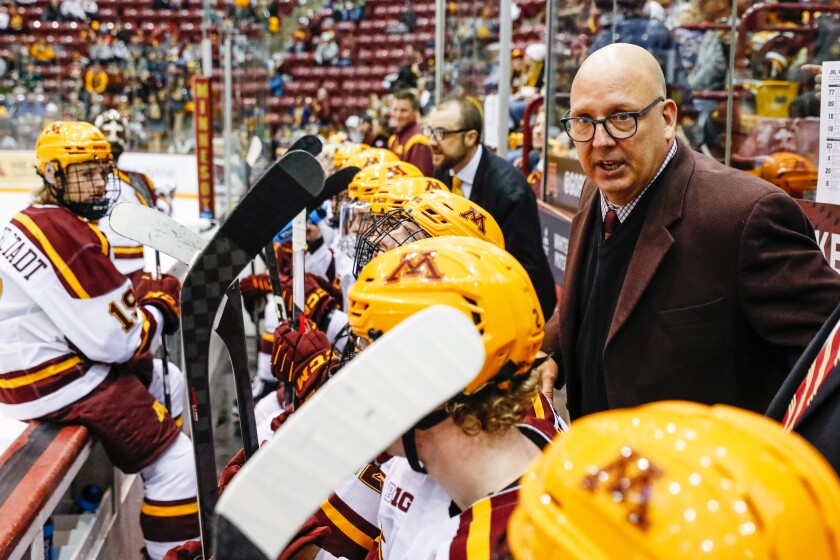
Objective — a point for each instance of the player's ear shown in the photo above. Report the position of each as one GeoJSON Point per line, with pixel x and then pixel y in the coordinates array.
{"type": "Point", "coordinates": [51, 174]}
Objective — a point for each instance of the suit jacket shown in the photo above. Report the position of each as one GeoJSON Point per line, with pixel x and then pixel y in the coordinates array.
{"type": "Point", "coordinates": [725, 288]}
{"type": "Point", "coordinates": [820, 421]}
{"type": "Point", "coordinates": [502, 190]}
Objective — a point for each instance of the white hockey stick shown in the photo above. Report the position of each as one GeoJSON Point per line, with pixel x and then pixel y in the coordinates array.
{"type": "Point", "coordinates": [377, 397]}
{"type": "Point", "coordinates": [156, 230]}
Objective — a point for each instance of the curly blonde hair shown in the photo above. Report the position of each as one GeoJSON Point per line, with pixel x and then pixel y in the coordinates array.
{"type": "Point", "coordinates": [494, 410]}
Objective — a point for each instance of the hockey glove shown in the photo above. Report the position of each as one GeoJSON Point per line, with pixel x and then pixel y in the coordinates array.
{"type": "Point", "coordinates": [319, 301]}
{"type": "Point", "coordinates": [310, 533]}
{"type": "Point", "coordinates": [190, 550]}
{"type": "Point", "coordinates": [305, 359]}
{"type": "Point", "coordinates": [253, 288]}
{"type": "Point", "coordinates": [163, 293]}
{"type": "Point", "coordinates": [230, 470]}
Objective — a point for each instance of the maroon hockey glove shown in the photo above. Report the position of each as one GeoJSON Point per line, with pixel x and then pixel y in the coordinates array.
{"type": "Point", "coordinates": [163, 293]}
{"type": "Point", "coordinates": [305, 359]}
{"type": "Point", "coordinates": [311, 533]}
{"type": "Point", "coordinates": [292, 348]}
{"type": "Point", "coordinates": [319, 301]}
{"type": "Point", "coordinates": [190, 550]}
{"type": "Point", "coordinates": [230, 470]}
{"type": "Point", "coordinates": [281, 418]}
{"type": "Point", "coordinates": [253, 288]}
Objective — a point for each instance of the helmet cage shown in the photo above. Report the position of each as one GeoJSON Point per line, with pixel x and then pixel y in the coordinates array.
{"type": "Point", "coordinates": [392, 229]}
{"type": "Point", "coordinates": [68, 182]}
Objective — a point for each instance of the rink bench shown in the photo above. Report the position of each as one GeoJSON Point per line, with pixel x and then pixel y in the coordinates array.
{"type": "Point", "coordinates": [35, 472]}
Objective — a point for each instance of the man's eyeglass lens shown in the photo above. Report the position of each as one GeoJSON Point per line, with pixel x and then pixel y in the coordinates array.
{"type": "Point", "coordinates": [619, 125]}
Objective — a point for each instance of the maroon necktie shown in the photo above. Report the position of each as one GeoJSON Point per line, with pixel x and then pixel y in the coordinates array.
{"type": "Point", "coordinates": [610, 223]}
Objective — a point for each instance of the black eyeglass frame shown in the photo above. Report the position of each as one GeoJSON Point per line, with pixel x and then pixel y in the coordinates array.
{"type": "Point", "coordinates": [603, 122]}
{"type": "Point", "coordinates": [439, 133]}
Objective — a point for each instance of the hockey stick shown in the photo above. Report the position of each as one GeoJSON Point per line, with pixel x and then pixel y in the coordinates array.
{"type": "Point", "coordinates": [231, 330]}
{"type": "Point", "coordinates": [160, 232]}
{"type": "Point", "coordinates": [167, 396]}
{"type": "Point", "coordinates": [351, 419]}
{"type": "Point", "coordinates": [279, 195]}
{"type": "Point", "coordinates": [155, 229]}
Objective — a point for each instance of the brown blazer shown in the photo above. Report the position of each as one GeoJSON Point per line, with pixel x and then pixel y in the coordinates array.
{"type": "Point", "coordinates": [724, 291]}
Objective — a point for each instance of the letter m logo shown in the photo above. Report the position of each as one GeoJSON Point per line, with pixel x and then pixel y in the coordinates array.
{"type": "Point", "coordinates": [417, 265]}
{"type": "Point", "coordinates": [475, 217]}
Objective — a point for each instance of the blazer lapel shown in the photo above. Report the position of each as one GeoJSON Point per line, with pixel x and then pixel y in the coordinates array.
{"type": "Point", "coordinates": [830, 386]}
{"type": "Point", "coordinates": [581, 224]}
{"type": "Point", "coordinates": [654, 240]}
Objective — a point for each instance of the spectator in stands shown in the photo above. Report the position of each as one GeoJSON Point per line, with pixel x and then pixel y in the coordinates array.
{"type": "Point", "coordinates": [41, 52]}
{"type": "Point", "coordinates": [74, 109]}
{"type": "Point", "coordinates": [52, 11]}
{"type": "Point", "coordinates": [322, 108]}
{"type": "Point", "coordinates": [4, 18]}
{"type": "Point", "coordinates": [327, 50]}
{"type": "Point", "coordinates": [346, 58]}
{"type": "Point", "coordinates": [709, 70]}
{"type": "Point", "coordinates": [16, 24]}
{"type": "Point", "coordinates": [408, 140]}
{"type": "Point", "coordinates": [73, 10]}
{"type": "Point", "coordinates": [29, 78]}
{"type": "Point", "coordinates": [91, 9]}
{"type": "Point", "coordinates": [301, 36]}
{"type": "Point", "coordinates": [155, 122]}
{"type": "Point", "coordinates": [276, 83]}
{"type": "Point", "coordinates": [301, 112]}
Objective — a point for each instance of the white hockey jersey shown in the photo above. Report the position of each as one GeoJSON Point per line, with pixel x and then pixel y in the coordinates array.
{"type": "Point", "coordinates": [66, 313]}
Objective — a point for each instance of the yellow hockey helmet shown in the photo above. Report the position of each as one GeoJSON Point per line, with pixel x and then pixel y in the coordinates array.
{"type": "Point", "coordinates": [371, 178]}
{"type": "Point", "coordinates": [392, 196]}
{"type": "Point", "coordinates": [789, 171]}
{"type": "Point", "coordinates": [475, 276]}
{"type": "Point", "coordinates": [372, 156]}
{"type": "Point", "coordinates": [345, 152]}
{"type": "Point", "coordinates": [436, 213]}
{"type": "Point", "coordinates": [67, 142]}
{"type": "Point", "coordinates": [677, 480]}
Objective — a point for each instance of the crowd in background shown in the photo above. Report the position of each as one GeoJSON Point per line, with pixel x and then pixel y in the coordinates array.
{"type": "Point", "coordinates": [146, 73]}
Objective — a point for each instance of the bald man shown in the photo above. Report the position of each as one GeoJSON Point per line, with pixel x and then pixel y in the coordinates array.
{"type": "Point", "coordinates": [685, 279]}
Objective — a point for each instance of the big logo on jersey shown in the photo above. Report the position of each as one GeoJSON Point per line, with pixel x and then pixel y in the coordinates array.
{"type": "Point", "coordinates": [629, 482]}
{"type": "Point", "coordinates": [416, 265]}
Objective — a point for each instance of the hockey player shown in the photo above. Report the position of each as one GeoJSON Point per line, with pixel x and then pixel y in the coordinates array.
{"type": "Point", "coordinates": [133, 187]}
{"type": "Point", "coordinates": [428, 214]}
{"type": "Point", "coordinates": [73, 331]}
{"type": "Point", "coordinates": [496, 422]}
{"type": "Point", "coordinates": [677, 480]}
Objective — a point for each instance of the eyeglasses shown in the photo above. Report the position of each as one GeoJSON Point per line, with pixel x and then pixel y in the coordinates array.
{"type": "Point", "coordinates": [619, 126]}
{"type": "Point", "coordinates": [439, 133]}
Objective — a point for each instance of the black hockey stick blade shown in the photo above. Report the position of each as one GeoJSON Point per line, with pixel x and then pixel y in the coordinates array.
{"type": "Point", "coordinates": [335, 183]}
{"type": "Point", "coordinates": [231, 330]}
{"type": "Point", "coordinates": [280, 194]}
{"type": "Point", "coordinates": [308, 143]}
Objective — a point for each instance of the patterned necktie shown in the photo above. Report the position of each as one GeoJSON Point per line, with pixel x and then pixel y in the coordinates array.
{"type": "Point", "coordinates": [610, 223]}
{"type": "Point", "coordinates": [456, 185]}
{"type": "Point", "coordinates": [819, 370]}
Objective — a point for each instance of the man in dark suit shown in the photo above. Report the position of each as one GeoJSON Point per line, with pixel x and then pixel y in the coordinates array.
{"type": "Point", "coordinates": [685, 279]}
{"type": "Point", "coordinates": [470, 169]}
{"type": "Point", "coordinates": [809, 401]}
